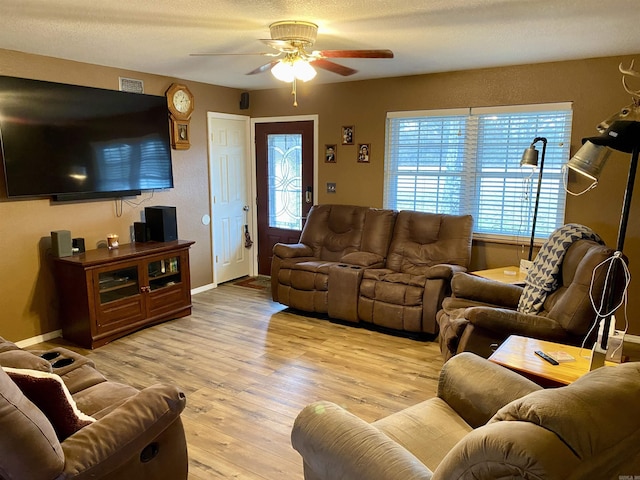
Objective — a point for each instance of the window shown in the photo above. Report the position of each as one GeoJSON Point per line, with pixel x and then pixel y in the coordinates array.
{"type": "Point", "coordinates": [468, 161]}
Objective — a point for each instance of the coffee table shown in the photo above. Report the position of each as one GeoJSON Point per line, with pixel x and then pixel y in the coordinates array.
{"type": "Point", "coordinates": [518, 353]}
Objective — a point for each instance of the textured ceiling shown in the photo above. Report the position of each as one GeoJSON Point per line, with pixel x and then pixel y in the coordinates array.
{"type": "Point", "coordinates": [157, 36]}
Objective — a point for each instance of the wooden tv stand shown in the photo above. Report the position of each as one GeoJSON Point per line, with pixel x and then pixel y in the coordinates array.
{"type": "Point", "coordinates": [106, 294]}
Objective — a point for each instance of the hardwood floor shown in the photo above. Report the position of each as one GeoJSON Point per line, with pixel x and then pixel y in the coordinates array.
{"type": "Point", "coordinates": [249, 365]}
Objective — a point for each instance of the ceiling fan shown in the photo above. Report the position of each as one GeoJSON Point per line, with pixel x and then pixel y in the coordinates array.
{"type": "Point", "coordinates": [292, 62]}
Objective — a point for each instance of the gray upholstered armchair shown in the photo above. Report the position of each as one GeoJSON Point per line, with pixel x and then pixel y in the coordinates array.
{"type": "Point", "coordinates": [481, 313]}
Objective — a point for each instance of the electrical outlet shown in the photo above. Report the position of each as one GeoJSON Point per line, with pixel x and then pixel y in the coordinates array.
{"type": "Point", "coordinates": [331, 187]}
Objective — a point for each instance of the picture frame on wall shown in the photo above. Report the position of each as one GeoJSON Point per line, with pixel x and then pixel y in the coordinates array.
{"type": "Point", "coordinates": [364, 152]}
{"type": "Point", "coordinates": [347, 135]}
{"type": "Point", "coordinates": [330, 153]}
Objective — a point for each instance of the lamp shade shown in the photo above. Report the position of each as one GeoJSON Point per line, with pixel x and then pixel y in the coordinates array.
{"type": "Point", "coordinates": [283, 71]}
{"type": "Point", "coordinates": [303, 70]}
{"type": "Point", "coordinates": [529, 157]}
{"type": "Point", "coordinates": [622, 135]}
{"type": "Point", "coordinates": [590, 160]}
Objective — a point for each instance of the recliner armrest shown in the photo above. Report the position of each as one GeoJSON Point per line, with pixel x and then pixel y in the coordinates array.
{"type": "Point", "coordinates": [479, 289]}
{"type": "Point", "coordinates": [477, 388]}
{"type": "Point", "coordinates": [107, 443]}
{"type": "Point", "coordinates": [363, 259]}
{"type": "Point", "coordinates": [501, 320]}
{"type": "Point", "coordinates": [444, 270]}
{"type": "Point", "coordinates": [292, 250]}
{"type": "Point", "coordinates": [336, 444]}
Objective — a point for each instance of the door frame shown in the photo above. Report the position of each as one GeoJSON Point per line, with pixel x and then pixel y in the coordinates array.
{"type": "Point", "coordinates": [254, 193]}
{"type": "Point", "coordinates": [250, 137]}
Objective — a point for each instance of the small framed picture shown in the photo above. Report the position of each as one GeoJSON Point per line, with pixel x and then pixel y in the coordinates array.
{"type": "Point", "coordinates": [364, 150]}
{"type": "Point", "coordinates": [347, 135]}
{"type": "Point", "coordinates": [330, 153]}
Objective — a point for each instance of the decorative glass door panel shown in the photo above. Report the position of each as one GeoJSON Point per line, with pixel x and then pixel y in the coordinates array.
{"type": "Point", "coordinates": [284, 164]}
{"type": "Point", "coordinates": [118, 284]}
{"type": "Point", "coordinates": [164, 273]}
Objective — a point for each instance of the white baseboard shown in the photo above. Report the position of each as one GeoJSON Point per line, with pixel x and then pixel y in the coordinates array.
{"type": "Point", "coordinates": [39, 339]}
{"type": "Point", "coordinates": [203, 288]}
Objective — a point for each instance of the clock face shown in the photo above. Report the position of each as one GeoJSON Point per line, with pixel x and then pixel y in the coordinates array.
{"type": "Point", "coordinates": [181, 101]}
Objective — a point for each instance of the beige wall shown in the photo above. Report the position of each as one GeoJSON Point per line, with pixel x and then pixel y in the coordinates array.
{"type": "Point", "coordinates": [28, 301]}
{"type": "Point", "coordinates": [594, 87]}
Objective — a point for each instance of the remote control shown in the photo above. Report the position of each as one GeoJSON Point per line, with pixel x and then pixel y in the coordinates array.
{"type": "Point", "coordinates": [546, 357]}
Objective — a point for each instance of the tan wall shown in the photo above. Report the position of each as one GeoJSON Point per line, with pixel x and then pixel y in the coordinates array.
{"type": "Point", "coordinates": [594, 87]}
{"type": "Point", "coordinates": [28, 300]}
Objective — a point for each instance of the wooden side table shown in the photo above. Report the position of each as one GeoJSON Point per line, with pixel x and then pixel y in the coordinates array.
{"type": "Point", "coordinates": [518, 353]}
{"type": "Point", "coordinates": [509, 274]}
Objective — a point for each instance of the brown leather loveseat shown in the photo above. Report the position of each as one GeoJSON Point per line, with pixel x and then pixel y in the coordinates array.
{"type": "Point", "coordinates": [88, 428]}
{"type": "Point", "coordinates": [383, 267]}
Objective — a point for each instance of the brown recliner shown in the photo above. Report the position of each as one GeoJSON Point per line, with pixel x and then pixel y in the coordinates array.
{"type": "Point", "coordinates": [137, 434]}
{"type": "Point", "coordinates": [482, 313]}
{"type": "Point", "coordinates": [341, 236]}
{"type": "Point", "coordinates": [426, 250]}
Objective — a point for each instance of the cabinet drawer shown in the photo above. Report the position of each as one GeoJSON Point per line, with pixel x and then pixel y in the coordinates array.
{"type": "Point", "coordinates": [113, 315]}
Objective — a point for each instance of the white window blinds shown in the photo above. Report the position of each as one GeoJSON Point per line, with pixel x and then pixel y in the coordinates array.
{"type": "Point", "coordinates": [468, 161]}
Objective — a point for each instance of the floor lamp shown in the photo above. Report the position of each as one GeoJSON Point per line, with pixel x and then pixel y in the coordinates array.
{"type": "Point", "coordinates": [530, 159]}
{"type": "Point", "coordinates": [589, 161]}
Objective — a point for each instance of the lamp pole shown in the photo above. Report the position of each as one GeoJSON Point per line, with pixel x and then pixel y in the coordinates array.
{"type": "Point", "coordinates": [535, 209]}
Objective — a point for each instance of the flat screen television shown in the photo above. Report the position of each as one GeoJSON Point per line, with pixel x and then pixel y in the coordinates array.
{"type": "Point", "coordinates": [71, 142]}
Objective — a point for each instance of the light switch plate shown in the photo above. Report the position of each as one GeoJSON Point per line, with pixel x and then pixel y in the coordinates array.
{"type": "Point", "coordinates": [331, 187]}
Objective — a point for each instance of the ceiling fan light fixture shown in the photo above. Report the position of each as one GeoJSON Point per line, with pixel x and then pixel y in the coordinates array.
{"type": "Point", "coordinates": [283, 71]}
{"type": "Point", "coordinates": [303, 70]}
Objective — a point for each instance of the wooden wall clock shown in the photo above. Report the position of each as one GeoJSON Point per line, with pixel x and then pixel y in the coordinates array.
{"type": "Point", "coordinates": [180, 102]}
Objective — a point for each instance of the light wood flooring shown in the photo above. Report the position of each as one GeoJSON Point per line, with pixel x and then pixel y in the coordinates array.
{"type": "Point", "coordinates": [249, 365]}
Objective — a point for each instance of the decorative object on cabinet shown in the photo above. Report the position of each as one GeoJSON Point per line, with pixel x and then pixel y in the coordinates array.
{"type": "Point", "coordinates": [180, 101]}
{"type": "Point", "coordinates": [106, 294]}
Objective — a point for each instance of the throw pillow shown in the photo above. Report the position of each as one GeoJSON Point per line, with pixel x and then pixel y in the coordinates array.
{"type": "Point", "coordinates": [48, 392]}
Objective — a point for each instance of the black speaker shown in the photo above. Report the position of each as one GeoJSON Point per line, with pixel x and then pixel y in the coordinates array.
{"type": "Point", "coordinates": [244, 100]}
{"type": "Point", "coordinates": [140, 232]}
{"type": "Point", "coordinates": [77, 245]}
{"type": "Point", "coordinates": [162, 223]}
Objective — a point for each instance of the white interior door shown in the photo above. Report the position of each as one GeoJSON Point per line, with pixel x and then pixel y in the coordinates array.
{"type": "Point", "coordinates": [231, 209]}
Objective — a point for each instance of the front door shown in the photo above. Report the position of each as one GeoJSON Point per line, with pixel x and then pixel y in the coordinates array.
{"type": "Point", "coordinates": [284, 184]}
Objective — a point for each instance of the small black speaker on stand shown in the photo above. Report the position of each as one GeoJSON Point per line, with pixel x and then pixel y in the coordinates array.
{"type": "Point", "coordinates": [140, 232]}
{"type": "Point", "coordinates": [61, 243]}
{"type": "Point", "coordinates": [162, 223]}
{"type": "Point", "coordinates": [244, 100]}
{"type": "Point", "coordinates": [77, 245]}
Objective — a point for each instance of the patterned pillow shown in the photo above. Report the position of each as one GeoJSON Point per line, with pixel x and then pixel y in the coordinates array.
{"type": "Point", "coordinates": [48, 392]}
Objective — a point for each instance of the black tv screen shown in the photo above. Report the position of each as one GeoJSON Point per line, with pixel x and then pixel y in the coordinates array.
{"type": "Point", "coordinates": [73, 142]}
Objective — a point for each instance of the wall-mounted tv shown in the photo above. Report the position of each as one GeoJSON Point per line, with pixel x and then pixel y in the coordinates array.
{"type": "Point", "coordinates": [71, 142]}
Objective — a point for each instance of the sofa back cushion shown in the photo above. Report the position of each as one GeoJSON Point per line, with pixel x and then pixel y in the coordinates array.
{"type": "Point", "coordinates": [570, 304]}
{"type": "Point", "coordinates": [29, 447]}
{"type": "Point", "coordinates": [596, 416]}
{"type": "Point", "coordinates": [421, 240]}
{"type": "Point", "coordinates": [378, 229]}
{"type": "Point", "coordinates": [332, 231]}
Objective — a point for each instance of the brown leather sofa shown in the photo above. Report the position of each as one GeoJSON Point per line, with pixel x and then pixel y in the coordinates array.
{"type": "Point", "coordinates": [135, 435]}
{"type": "Point", "coordinates": [383, 267]}
{"type": "Point", "coordinates": [485, 423]}
{"type": "Point", "coordinates": [482, 313]}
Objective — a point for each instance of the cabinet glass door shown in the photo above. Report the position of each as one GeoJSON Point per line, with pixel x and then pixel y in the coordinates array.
{"type": "Point", "coordinates": [164, 273]}
{"type": "Point", "coordinates": [118, 284]}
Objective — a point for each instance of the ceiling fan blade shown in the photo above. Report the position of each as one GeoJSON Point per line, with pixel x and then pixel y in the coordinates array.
{"type": "Point", "coordinates": [263, 68]}
{"type": "Point", "coordinates": [213, 54]}
{"type": "Point", "coordinates": [282, 45]}
{"type": "Point", "coordinates": [353, 53]}
{"type": "Point", "coordinates": [333, 67]}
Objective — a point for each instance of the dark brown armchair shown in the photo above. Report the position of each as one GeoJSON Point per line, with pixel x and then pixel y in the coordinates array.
{"type": "Point", "coordinates": [481, 313]}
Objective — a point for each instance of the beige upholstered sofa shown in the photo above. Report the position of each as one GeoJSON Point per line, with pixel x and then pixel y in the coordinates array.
{"type": "Point", "coordinates": [105, 430]}
{"type": "Point", "coordinates": [485, 423]}
{"type": "Point", "coordinates": [383, 267]}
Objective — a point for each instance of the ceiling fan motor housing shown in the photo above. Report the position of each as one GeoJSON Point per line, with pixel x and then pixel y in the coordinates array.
{"type": "Point", "coordinates": [294, 31]}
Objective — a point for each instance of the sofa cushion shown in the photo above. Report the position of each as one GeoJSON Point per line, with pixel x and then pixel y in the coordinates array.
{"type": "Point", "coordinates": [48, 392]}
{"type": "Point", "coordinates": [24, 359]}
{"type": "Point", "coordinates": [39, 455]}
{"type": "Point", "coordinates": [603, 403]}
